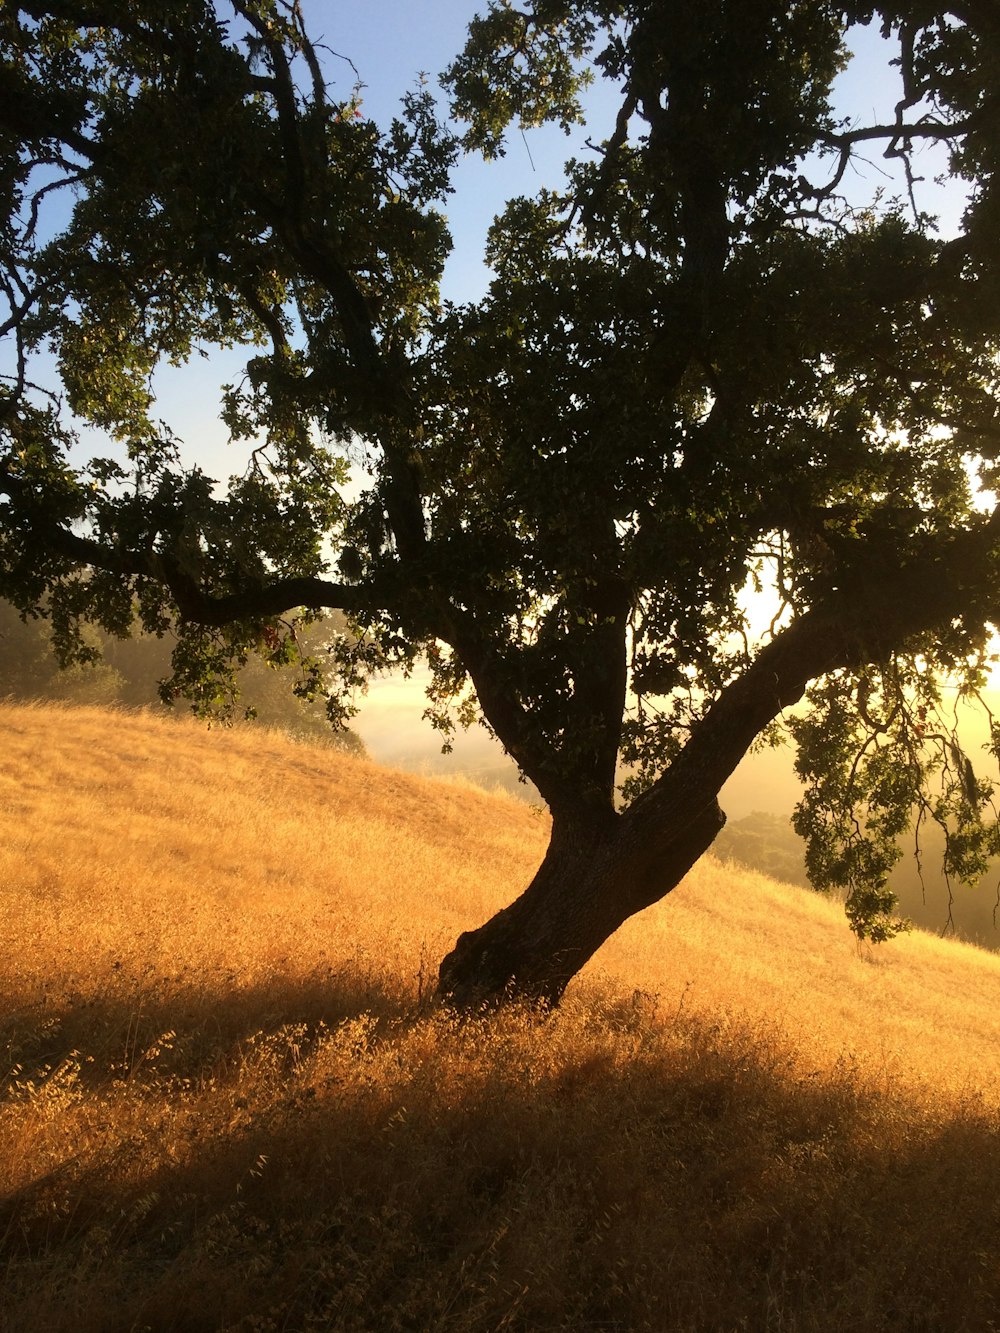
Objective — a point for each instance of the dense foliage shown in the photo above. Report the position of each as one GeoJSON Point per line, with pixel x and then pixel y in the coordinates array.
{"type": "Point", "coordinates": [703, 370]}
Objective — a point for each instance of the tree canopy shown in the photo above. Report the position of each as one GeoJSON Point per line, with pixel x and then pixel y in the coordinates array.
{"type": "Point", "coordinates": [703, 373]}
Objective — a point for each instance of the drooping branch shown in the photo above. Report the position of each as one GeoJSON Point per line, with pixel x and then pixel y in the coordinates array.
{"type": "Point", "coordinates": [257, 599]}
{"type": "Point", "coordinates": [395, 592]}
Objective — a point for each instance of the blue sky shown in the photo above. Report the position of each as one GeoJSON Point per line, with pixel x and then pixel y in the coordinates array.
{"type": "Point", "coordinates": [390, 44]}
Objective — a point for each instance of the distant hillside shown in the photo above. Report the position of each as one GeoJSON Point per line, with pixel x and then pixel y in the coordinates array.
{"type": "Point", "coordinates": [158, 812]}
{"type": "Point", "coordinates": [768, 843]}
{"type": "Point", "coordinates": [128, 672]}
{"type": "Point", "coordinates": [227, 1102]}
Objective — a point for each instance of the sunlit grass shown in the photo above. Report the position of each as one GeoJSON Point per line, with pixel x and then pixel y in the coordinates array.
{"type": "Point", "coordinates": [229, 1104]}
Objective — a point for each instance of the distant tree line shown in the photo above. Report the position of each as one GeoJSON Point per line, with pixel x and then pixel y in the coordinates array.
{"type": "Point", "coordinates": [765, 842]}
{"type": "Point", "coordinates": [127, 673]}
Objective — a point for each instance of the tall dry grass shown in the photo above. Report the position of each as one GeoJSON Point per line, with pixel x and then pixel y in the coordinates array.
{"type": "Point", "coordinates": [227, 1104]}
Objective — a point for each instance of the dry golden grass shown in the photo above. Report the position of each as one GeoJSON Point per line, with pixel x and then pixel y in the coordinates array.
{"type": "Point", "coordinates": [227, 1105]}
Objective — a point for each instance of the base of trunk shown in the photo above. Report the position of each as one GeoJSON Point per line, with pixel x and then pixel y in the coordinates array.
{"type": "Point", "coordinates": [590, 882]}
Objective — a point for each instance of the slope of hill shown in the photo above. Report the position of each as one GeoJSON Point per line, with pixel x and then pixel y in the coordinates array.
{"type": "Point", "coordinates": [228, 1103]}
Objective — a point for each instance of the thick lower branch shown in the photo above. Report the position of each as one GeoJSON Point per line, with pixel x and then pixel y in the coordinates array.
{"type": "Point", "coordinates": [193, 602]}
{"type": "Point", "coordinates": [953, 579]}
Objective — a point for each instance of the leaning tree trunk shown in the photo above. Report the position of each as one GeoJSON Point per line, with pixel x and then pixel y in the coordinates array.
{"type": "Point", "coordinates": [600, 871]}
{"type": "Point", "coordinates": [595, 875]}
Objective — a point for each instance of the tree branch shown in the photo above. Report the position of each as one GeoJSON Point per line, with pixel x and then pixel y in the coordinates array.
{"type": "Point", "coordinates": [508, 717]}
{"type": "Point", "coordinates": [262, 601]}
{"type": "Point", "coordinates": [923, 129]}
{"type": "Point", "coordinates": [946, 581]}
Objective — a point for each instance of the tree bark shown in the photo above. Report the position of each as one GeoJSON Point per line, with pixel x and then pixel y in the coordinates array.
{"type": "Point", "coordinates": [595, 875]}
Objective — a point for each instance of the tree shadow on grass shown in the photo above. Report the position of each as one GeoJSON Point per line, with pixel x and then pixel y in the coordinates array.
{"type": "Point", "coordinates": [186, 1027]}
{"type": "Point", "coordinates": [363, 1165]}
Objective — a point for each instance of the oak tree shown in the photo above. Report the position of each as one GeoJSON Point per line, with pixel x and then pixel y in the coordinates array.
{"type": "Point", "coordinates": [706, 377]}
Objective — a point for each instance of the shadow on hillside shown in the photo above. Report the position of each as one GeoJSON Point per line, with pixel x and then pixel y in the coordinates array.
{"type": "Point", "coordinates": [596, 1172]}
{"type": "Point", "coordinates": [138, 1024]}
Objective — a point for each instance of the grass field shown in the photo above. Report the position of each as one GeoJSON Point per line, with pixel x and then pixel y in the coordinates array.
{"type": "Point", "coordinates": [228, 1103]}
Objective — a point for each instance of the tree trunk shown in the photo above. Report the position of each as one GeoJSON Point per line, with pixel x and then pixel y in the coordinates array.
{"type": "Point", "coordinates": [595, 875]}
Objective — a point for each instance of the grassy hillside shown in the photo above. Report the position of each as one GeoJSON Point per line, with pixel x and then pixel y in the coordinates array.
{"type": "Point", "coordinates": [227, 1103]}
